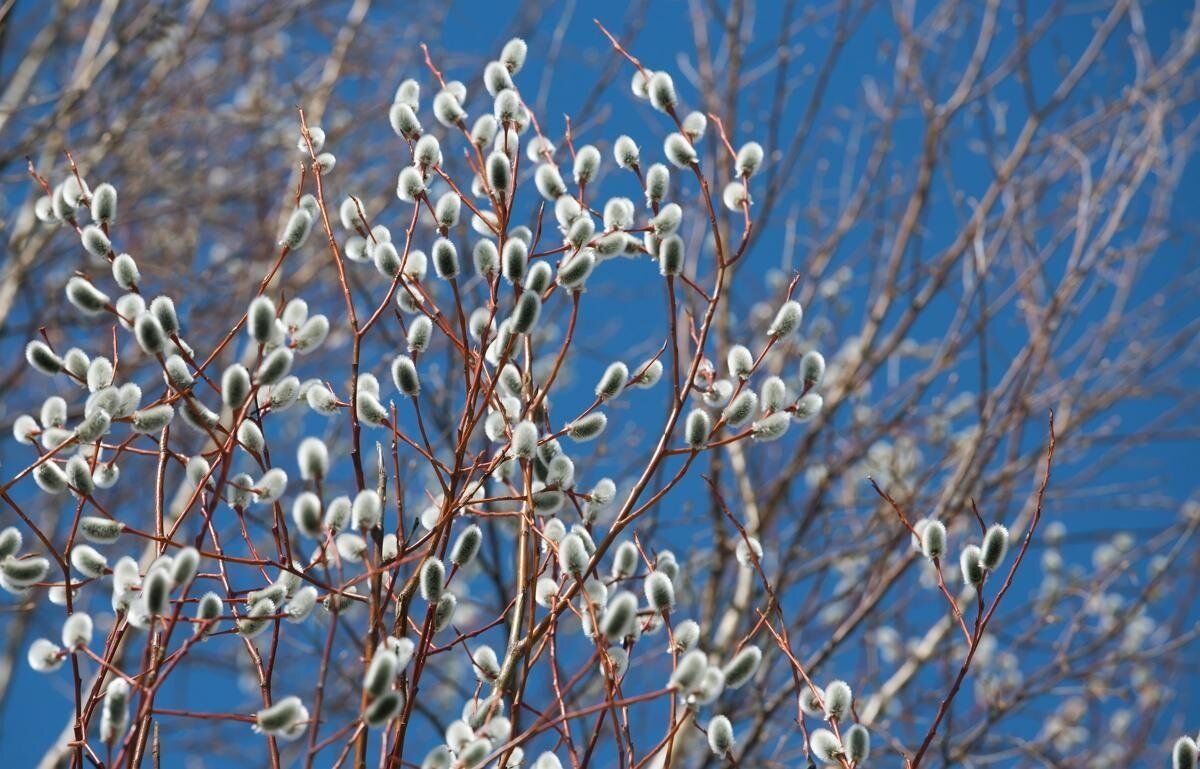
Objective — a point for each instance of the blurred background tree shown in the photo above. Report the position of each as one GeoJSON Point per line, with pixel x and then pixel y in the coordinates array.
{"type": "Point", "coordinates": [988, 206]}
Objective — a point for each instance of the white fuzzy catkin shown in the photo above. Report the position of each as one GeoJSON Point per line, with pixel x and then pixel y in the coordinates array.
{"type": "Point", "coordinates": [587, 427]}
{"type": "Point", "coordinates": [686, 635]}
{"type": "Point", "coordinates": [734, 196]}
{"type": "Point", "coordinates": [810, 701]}
{"type": "Point", "coordinates": [742, 667]}
{"type": "Point", "coordinates": [625, 560]}
{"type": "Point", "coordinates": [152, 419]}
{"type": "Point", "coordinates": [88, 561]}
{"type": "Point", "coordinates": [749, 159]}
{"type": "Point", "coordinates": [825, 746]}
{"type": "Point", "coordinates": [114, 712]}
{"type": "Point", "coordinates": [486, 663]}
{"type": "Point", "coordinates": [661, 90]}
{"type": "Point", "coordinates": [660, 591]}
{"type": "Point", "coordinates": [697, 428]}
{"type": "Point", "coordinates": [410, 185]}
{"type": "Point", "coordinates": [404, 121]}
{"type": "Point", "coordinates": [995, 547]}
{"type": "Point", "coordinates": [619, 616]}
{"type": "Point", "coordinates": [380, 673]}
{"type": "Point", "coordinates": [313, 458]}
{"type": "Point", "coordinates": [512, 55]}
{"type": "Point", "coordinates": [694, 125]}
{"type": "Point", "coordinates": [445, 258]}
{"type": "Point", "coordinates": [125, 271]}
{"type": "Point", "coordinates": [770, 427]}
{"type": "Point", "coordinates": [838, 698]}
{"type": "Point", "coordinates": [95, 241]}
{"type": "Point", "coordinates": [572, 555]}
{"type": "Point", "coordinates": [1184, 754]}
{"type": "Point", "coordinates": [404, 376]}
{"type": "Point", "coordinates": [185, 565]}
{"type": "Point", "coordinates": [670, 255]}
{"type": "Point", "coordinates": [526, 313]}
{"type": "Point", "coordinates": [367, 510]}
{"type": "Point", "coordinates": [419, 332]}
{"type": "Point", "coordinates": [297, 229]}
{"type": "Point", "coordinates": [720, 735]}
{"type": "Point", "coordinates": [667, 220]}
{"type": "Point", "coordinates": [679, 150]}
{"type": "Point", "coordinates": [858, 744]}
{"type": "Point", "coordinates": [625, 152]}
{"type": "Point", "coordinates": [787, 319]}
{"type": "Point", "coordinates": [808, 407]}
{"type": "Point", "coordinates": [39, 355]}
{"type": "Point", "coordinates": [612, 382]}
{"type": "Point", "coordinates": [433, 579]}
{"type": "Point", "coordinates": [812, 368]}
{"type": "Point", "coordinates": [970, 562]}
{"type": "Point", "coordinates": [77, 631]}
{"type": "Point", "coordinates": [448, 110]}
{"type": "Point", "coordinates": [689, 670]}
{"type": "Point", "coordinates": [933, 539]}
{"type": "Point", "coordinates": [235, 385]}
{"type": "Point", "coordinates": [741, 408]}
{"type": "Point", "coordinates": [44, 656]}
{"type": "Point", "coordinates": [86, 297]}
{"type": "Point", "coordinates": [549, 182]}
{"type": "Point", "coordinates": [286, 719]}
{"type": "Point", "coordinates": [99, 530]}
{"type": "Point", "coordinates": [260, 319]}
{"type": "Point", "coordinates": [466, 546]}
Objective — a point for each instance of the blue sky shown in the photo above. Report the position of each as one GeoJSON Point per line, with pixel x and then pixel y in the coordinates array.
{"type": "Point", "coordinates": [35, 709]}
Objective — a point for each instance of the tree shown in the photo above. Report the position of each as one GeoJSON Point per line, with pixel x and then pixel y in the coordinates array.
{"type": "Point", "coordinates": [523, 444]}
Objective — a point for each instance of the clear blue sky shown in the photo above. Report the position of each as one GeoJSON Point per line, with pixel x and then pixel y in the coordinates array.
{"type": "Point", "coordinates": [35, 710]}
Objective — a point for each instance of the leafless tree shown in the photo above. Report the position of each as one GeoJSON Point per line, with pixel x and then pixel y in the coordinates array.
{"type": "Point", "coordinates": [973, 219]}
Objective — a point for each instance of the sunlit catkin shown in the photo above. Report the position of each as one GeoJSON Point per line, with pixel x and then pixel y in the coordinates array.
{"type": "Point", "coordinates": [995, 547]}
{"type": "Point", "coordinates": [587, 427]}
{"type": "Point", "coordinates": [297, 229]}
{"type": "Point", "coordinates": [696, 429]}
{"type": "Point", "coordinates": [125, 271]}
{"type": "Point", "coordinates": [572, 555]}
{"type": "Point", "coordinates": [380, 673]}
{"type": "Point", "coordinates": [1184, 754]}
{"type": "Point", "coordinates": [432, 579]}
{"type": "Point", "coordinates": [933, 539]}
{"type": "Point", "coordinates": [689, 670]}
{"type": "Point", "coordinates": [858, 743]}
{"type": "Point", "coordinates": [286, 719]}
{"type": "Point", "coordinates": [838, 698]}
{"type": "Point", "coordinates": [787, 320]}
{"type": "Point", "coordinates": [86, 297]}
{"type": "Point", "coordinates": [367, 510]}
{"type": "Point", "coordinates": [658, 178]}
{"type": "Point", "coordinates": [749, 158]}
{"type": "Point", "coordinates": [720, 735]}
{"type": "Point", "coordinates": [114, 713]}
{"type": "Point", "coordinates": [970, 562]}
{"type": "Point", "coordinates": [679, 150]}
{"type": "Point", "coordinates": [661, 90]}
{"type": "Point", "coordinates": [525, 316]}
{"type": "Point", "coordinates": [660, 591]}
{"type": "Point", "coordinates": [95, 241]}
{"type": "Point", "coordinates": [612, 381]}
{"type": "Point", "coordinates": [812, 368]}
{"type": "Point", "coordinates": [466, 546]}
{"type": "Point", "coordinates": [77, 631]}
{"type": "Point", "coordinates": [825, 745]}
